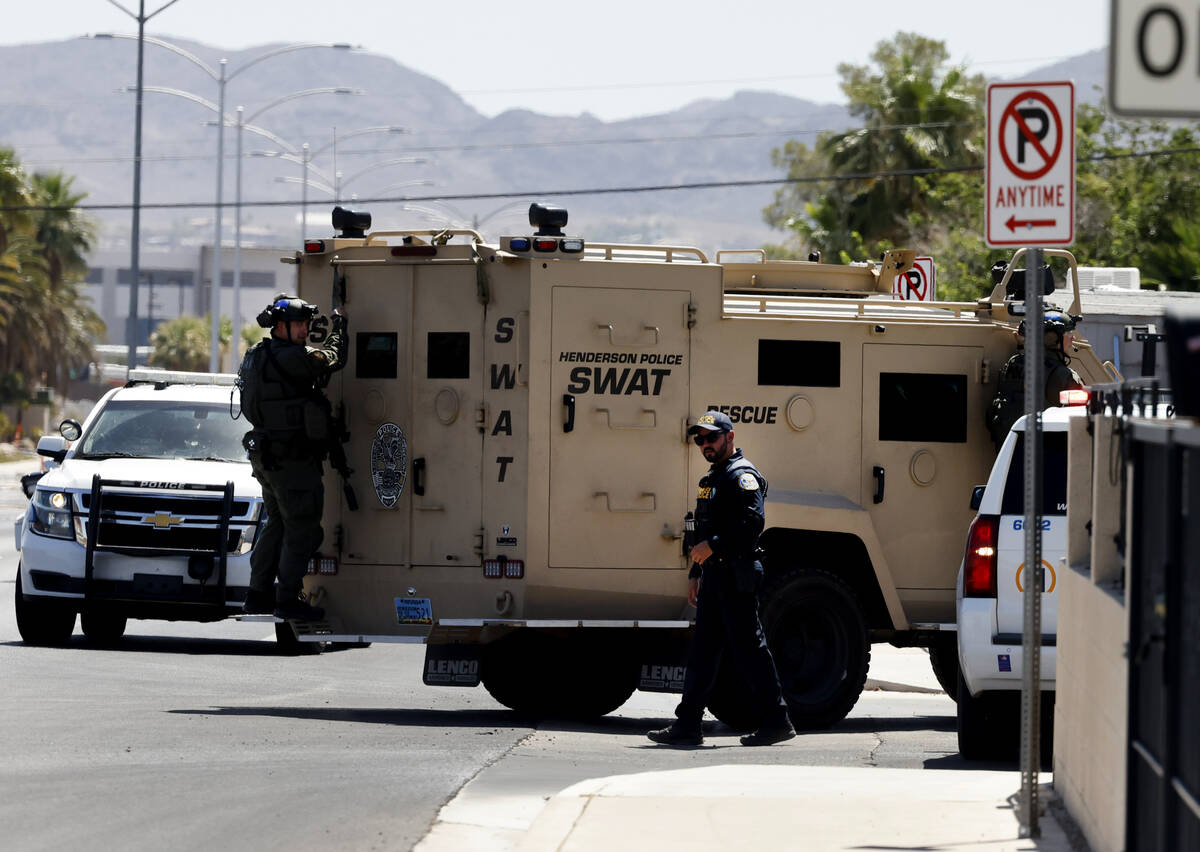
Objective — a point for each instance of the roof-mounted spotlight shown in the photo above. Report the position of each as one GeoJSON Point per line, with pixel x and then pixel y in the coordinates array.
{"type": "Point", "coordinates": [548, 219]}
{"type": "Point", "coordinates": [351, 223]}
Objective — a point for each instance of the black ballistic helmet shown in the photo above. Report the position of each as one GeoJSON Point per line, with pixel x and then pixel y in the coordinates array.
{"type": "Point", "coordinates": [1055, 325]}
{"type": "Point", "coordinates": [285, 308]}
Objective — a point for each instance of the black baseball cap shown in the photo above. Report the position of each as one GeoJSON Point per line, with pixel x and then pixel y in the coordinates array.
{"type": "Point", "coordinates": [711, 421]}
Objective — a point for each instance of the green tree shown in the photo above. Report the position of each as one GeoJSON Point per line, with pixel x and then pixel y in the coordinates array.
{"type": "Point", "coordinates": [63, 235]}
{"type": "Point", "coordinates": [184, 343]}
{"type": "Point", "coordinates": [1138, 189]}
{"type": "Point", "coordinates": [855, 192]}
{"type": "Point", "coordinates": [47, 326]}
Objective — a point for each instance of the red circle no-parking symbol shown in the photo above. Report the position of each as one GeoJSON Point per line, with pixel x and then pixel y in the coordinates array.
{"type": "Point", "coordinates": [1030, 164]}
{"type": "Point", "coordinates": [1028, 139]}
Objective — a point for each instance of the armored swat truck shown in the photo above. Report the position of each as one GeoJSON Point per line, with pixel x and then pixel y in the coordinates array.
{"type": "Point", "coordinates": [516, 419]}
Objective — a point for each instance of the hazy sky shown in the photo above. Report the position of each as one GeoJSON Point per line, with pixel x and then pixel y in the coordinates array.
{"type": "Point", "coordinates": [615, 58]}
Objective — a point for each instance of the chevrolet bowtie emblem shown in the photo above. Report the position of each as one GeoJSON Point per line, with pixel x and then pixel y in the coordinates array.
{"type": "Point", "coordinates": [162, 520]}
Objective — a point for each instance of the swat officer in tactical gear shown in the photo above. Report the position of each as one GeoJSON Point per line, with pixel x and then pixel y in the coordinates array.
{"type": "Point", "coordinates": [723, 585]}
{"type": "Point", "coordinates": [1009, 402]}
{"type": "Point", "coordinates": [281, 378]}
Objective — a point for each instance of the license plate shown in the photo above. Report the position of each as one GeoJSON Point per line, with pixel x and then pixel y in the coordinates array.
{"type": "Point", "coordinates": [414, 611]}
{"type": "Point", "coordinates": [157, 585]}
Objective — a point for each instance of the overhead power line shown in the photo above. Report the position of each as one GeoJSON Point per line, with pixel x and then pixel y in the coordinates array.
{"type": "Point", "coordinates": [514, 146]}
{"type": "Point", "coordinates": [614, 190]}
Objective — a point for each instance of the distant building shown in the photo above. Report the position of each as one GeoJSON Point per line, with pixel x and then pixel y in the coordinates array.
{"type": "Point", "coordinates": [177, 282]}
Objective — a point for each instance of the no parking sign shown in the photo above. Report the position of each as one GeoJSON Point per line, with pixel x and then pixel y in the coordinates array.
{"type": "Point", "coordinates": [918, 283]}
{"type": "Point", "coordinates": [1030, 164]}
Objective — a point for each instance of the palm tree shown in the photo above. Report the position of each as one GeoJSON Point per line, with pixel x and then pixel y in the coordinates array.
{"type": "Point", "coordinates": [183, 343]}
{"type": "Point", "coordinates": [916, 114]}
{"type": "Point", "coordinates": [64, 235]}
{"type": "Point", "coordinates": [47, 327]}
{"type": "Point", "coordinates": [14, 192]}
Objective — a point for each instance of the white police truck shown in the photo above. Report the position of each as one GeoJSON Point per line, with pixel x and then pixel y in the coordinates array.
{"type": "Point", "coordinates": [990, 593]}
{"type": "Point", "coordinates": [149, 510]}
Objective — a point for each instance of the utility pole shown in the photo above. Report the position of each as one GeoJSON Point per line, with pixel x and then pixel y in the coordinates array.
{"type": "Point", "coordinates": [135, 238]}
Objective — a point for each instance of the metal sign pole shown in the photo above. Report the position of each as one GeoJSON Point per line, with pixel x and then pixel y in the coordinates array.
{"type": "Point", "coordinates": [1031, 644]}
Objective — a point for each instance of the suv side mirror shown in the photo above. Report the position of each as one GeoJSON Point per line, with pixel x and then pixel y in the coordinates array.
{"type": "Point", "coordinates": [52, 447]}
{"type": "Point", "coordinates": [977, 497]}
{"type": "Point", "coordinates": [29, 482]}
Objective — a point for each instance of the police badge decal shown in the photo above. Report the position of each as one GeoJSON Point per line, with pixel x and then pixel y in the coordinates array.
{"type": "Point", "coordinates": [389, 463]}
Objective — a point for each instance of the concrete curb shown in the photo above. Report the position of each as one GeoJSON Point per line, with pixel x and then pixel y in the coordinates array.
{"type": "Point", "coordinates": [892, 686]}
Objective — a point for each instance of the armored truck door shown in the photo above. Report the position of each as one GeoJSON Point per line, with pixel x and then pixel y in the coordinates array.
{"type": "Point", "coordinates": [447, 438]}
{"type": "Point", "coordinates": [374, 392]}
{"type": "Point", "coordinates": [618, 461]}
{"type": "Point", "coordinates": [924, 447]}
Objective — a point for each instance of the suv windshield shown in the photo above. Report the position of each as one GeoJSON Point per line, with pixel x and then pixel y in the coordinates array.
{"type": "Point", "coordinates": [164, 430]}
{"type": "Point", "coordinates": [1054, 476]}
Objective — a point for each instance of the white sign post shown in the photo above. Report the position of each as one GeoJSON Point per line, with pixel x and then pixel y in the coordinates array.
{"type": "Point", "coordinates": [1154, 58]}
{"type": "Point", "coordinates": [1030, 164]}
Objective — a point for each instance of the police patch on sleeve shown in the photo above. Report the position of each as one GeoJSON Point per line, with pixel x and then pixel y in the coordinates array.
{"type": "Point", "coordinates": [747, 482]}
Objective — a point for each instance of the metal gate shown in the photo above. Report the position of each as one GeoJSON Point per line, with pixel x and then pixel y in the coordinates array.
{"type": "Point", "coordinates": [1163, 783]}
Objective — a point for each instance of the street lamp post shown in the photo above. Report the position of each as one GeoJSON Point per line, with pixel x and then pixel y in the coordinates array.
{"type": "Point", "coordinates": [305, 157]}
{"type": "Point", "coordinates": [243, 124]}
{"type": "Point", "coordinates": [135, 238]}
{"type": "Point", "coordinates": [221, 75]}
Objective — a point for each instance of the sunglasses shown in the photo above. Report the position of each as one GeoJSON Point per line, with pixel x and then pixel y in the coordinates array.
{"type": "Point", "coordinates": [702, 438]}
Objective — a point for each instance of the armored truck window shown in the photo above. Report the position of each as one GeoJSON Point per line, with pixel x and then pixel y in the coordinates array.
{"type": "Point", "coordinates": [929, 407]}
{"type": "Point", "coordinates": [802, 363]}
{"type": "Point", "coordinates": [1054, 476]}
{"type": "Point", "coordinates": [375, 355]}
{"type": "Point", "coordinates": [449, 355]}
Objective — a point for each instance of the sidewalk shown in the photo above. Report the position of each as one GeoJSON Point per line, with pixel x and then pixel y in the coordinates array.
{"type": "Point", "coordinates": [743, 807]}
{"type": "Point", "coordinates": [760, 807]}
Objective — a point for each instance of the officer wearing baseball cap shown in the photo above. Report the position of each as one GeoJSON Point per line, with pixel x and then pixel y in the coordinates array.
{"type": "Point", "coordinates": [723, 586]}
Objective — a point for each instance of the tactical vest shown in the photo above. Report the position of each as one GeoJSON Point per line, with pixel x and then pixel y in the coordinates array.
{"type": "Point", "coordinates": [726, 479]}
{"type": "Point", "coordinates": [280, 405]}
{"type": "Point", "coordinates": [1008, 405]}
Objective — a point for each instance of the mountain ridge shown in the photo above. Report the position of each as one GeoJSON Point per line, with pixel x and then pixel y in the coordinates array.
{"type": "Point", "coordinates": [78, 121]}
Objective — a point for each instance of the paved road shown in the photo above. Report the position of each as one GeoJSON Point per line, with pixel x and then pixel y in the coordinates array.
{"type": "Point", "coordinates": [200, 736]}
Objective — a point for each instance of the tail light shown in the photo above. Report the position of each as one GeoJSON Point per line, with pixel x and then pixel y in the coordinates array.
{"type": "Point", "coordinates": [979, 566]}
{"type": "Point", "coordinates": [319, 564]}
{"type": "Point", "coordinates": [1074, 396]}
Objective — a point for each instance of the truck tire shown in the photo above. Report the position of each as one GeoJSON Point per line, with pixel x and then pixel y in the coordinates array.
{"type": "Point", "coordinates": [102, 627]}
{"type": "Point", "coordinates": [989, 724]}
{"type": "Point", "coordinates": [42, 622]}
{"type": "Point", "coordinates": [545, 675]}
{"type": "Point", "coordinates": [943, 658]}
{"type": "Point", "coordinates": [818, 636]}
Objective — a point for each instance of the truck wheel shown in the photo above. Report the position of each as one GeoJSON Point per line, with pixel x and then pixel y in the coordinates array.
{"type": "Point", "coordinates": [818, 636]}
{"type": "Point", "coordinates": [289, 645]}
{"type": "Point", "coordinates": [943, 658]}
{"type": "Point", "coordinates": [42, 622]}
{"type": "Point", "coordinates": [989, 724]}
{"type": "Point", "coordinates": [545, 675]}
{"type": "Point", "coordinates": [102, 627]}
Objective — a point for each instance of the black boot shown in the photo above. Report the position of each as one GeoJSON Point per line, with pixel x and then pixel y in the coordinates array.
{"type": "Point", "coordinates": [677, 735]}
{"type": "Point", "coordinates": [770, 734]}
{"type": "Point", "coordinates": [298, 609]}
{"type": "Point", "coordinates": [258, 603]}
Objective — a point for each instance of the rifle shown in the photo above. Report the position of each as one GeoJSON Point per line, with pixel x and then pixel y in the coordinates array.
{"type": "Point", "coordinates": [337, 455]}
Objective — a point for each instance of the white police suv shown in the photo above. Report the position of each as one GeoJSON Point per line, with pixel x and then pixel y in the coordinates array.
{"type": "Point", "coordinates": [150, 511]}
{"type": "Point", "coordinates": [990, 596]}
